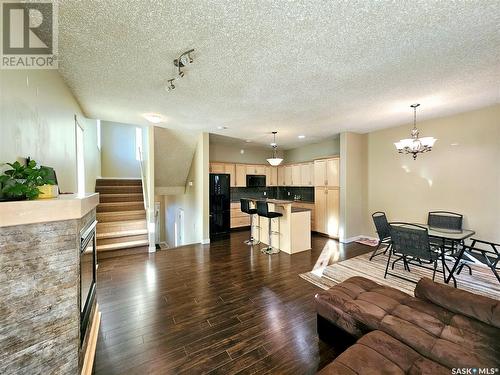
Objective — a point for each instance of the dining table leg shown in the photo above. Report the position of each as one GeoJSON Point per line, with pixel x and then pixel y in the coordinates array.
{"type": "Point", "coordinates": [454, 268]}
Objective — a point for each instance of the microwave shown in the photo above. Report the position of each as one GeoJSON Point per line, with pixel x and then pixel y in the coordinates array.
{"type": "Point", "coordinates": [256, 180]}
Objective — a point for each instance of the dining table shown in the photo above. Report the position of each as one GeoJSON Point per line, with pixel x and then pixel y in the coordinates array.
{"type": "Point", "coordinates": [455, 236]}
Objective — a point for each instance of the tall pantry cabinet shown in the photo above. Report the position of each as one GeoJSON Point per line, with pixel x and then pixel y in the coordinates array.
{"type": "Point", "coordinates": [327, 196]}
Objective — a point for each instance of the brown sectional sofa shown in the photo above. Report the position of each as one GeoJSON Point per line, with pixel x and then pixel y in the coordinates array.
{"type": "Point", "coordinates": [439, 329]}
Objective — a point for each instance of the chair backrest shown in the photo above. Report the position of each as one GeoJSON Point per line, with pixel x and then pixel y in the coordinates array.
{"type": "Point", "coordinates": [381, 225]}
{"type": "Point", "coordinates": [262, 209]}
{"type": "Point", "coordinates": [245, 205]}
{"type": "Point", "coordinates": [445, 220]}
{"type": "Point", "coordinates": [412, 240]}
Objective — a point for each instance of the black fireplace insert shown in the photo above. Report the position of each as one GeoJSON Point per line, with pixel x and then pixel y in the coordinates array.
{"type": "Point", "coordinates": [88, 263]}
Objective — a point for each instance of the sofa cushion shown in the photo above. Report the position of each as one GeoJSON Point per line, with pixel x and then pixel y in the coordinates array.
{"type": "Point", "coordinates": [440, 334]}
{"type": "Point", "coordinates": [460, 301]}
{"type": "Point", "coordinates": [379, 353]}
{"type": "Point", "coordinates": [358, 305]}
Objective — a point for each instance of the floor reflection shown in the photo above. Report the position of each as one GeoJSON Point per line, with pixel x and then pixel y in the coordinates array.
{"type": "Point", "coordinates": [331, 253]}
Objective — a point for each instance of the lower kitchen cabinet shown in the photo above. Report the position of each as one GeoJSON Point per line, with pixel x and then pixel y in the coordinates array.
{"type": "Point", "coordinates": [238, 218]}
{"type": "Point", "coordinates": [327, 206]}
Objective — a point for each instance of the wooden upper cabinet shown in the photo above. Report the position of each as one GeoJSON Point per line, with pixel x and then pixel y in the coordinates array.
{"type": "Point", "coordinates": [240, 175]}
{"type": "Point", "coordinates": [281, 176]}
{"type": "Point", "coordinates": [332, 172]}
{"type": "Point", "coordinates": [311, 171]}
{"type": "Point", "coordinates": [307, 174]}
{"type": "Point", "coordinates": [230, 170]}
{"type": "Point", "coordinates": [296, 179]}
{"type": "Point", "coordinates": [326, 172]}
{"type": "Point", "coordinates": [260, 169]}
{"type": "Point", "coordinates": [250, 169]}
{"type": "Point", "coordinates": [256, 169]}
{"type": "Point", "coordinates": [320, 173]}
{"type": "Point", "coordinates": [217, 168]}
{"type": "Point", "coordinates": [274, 176]}
{"type": "Point", "coordinates": [288, 175]}
{"type": "Point", "coordinates": [271, 176]}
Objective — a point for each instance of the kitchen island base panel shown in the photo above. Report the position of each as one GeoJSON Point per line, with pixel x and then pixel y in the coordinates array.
{"type": "Point", "coordinates": [294, 228]}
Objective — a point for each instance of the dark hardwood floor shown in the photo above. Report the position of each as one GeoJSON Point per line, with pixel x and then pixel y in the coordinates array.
{"type": "Point", "coordinates": [221, 308]}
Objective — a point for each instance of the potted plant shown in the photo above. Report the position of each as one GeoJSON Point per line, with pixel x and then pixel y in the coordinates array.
{"type": "Point", "coordinates": [23, 182]}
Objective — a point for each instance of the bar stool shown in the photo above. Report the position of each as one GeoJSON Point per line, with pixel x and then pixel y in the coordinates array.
{"type": "Point", "coordinates": [245, 207]}
{"type": "Point", "coordinates": [263, 210]}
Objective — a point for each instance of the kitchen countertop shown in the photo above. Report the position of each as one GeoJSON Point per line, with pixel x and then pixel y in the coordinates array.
{"type": "Point", "coordinates": [278, 201]}
{"type": "Point", "coordinates": [300, 209]}
{"type": "Point", "coordinates": [64, 207]}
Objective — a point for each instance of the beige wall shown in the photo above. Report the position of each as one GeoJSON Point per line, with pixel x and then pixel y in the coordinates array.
{"type": "Point", "coordinates": [461, 174]}
{"type": "Point", "coordinates": [91, 153]}
{"type": "Point", "coordinates": [328, 147]}
{"type": "Point", "coordinates": [37, 119]}
{"type": "Point", "coordinates": [226, 152]}
{"type": "Point", "coordinates": [194, 201]}
{"type": "Point", "coordinates": [353, 185]}
{"type": "Point", "coordinates": [118, 150]}
{"type": "Point", "coordinates": [174, 150]}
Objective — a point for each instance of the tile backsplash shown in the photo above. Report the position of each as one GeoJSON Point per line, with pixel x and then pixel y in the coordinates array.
{"type": "Point", "coordinates": [305, 194]}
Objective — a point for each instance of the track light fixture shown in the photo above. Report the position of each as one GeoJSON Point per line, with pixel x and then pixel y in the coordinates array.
{"type": "Point", "coordinates": [183, 60]}
{"type": "Point", "coordinates": [170, 85]}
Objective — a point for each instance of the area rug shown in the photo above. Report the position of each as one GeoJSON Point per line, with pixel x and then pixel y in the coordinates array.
{"type": "Point", "coordinates": [367, 241]}
{"type": "Point", "coordinates": [482, 281]}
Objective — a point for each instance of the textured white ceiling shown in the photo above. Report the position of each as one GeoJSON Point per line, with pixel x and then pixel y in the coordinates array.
{"type": "Point", "coordinates": [303, 67]}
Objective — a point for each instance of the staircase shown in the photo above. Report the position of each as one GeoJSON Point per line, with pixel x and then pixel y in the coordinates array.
{"type": "Point", "coordinates": [121, 228]}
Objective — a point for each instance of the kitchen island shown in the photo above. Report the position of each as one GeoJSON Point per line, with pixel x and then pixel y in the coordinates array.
{"type": "Point", "coordinates": [294, 227]}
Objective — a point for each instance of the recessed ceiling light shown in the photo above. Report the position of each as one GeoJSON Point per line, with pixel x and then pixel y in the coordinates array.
{"type": "Point", "coordinates": [154, 118]}
{"type": "Point", "coordinates": [221, 127]}
{"type": "Point", "coordinates": [248, 140]}
{"type": "Point", "coordinates": [301, 136]}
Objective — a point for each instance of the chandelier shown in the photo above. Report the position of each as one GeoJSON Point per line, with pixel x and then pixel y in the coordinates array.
{"type": "Point", "coordinates": [274, 161]}
{"type": "Point", "coordinates": [415, 145]}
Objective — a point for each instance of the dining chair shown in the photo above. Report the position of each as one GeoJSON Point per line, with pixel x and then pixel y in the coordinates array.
{"type": "Point", "coordinates": [383, 232]}
{"type": "Point", "coordinates": [487, 252]}
{"type": "Point", "coordinates": [448, 221]}
{"type": "Point", "coordinates": [411, 244]}
{"type": "Point", "coordinates": [445, 220]}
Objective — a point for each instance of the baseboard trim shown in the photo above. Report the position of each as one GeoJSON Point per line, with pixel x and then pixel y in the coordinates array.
{"type": "Point", "coordinates": [88, 362]}
{"type": "Point", "coordinates": [355, 238]}
{"type": "Point", "coordinates": [205, 241]}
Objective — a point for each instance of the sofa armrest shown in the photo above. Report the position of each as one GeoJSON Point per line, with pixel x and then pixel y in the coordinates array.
{"type": "Point", "coordinates": [484, 309]}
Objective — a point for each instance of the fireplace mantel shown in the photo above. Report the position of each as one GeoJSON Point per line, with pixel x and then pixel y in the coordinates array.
{"type": "Point", "coordinates": [65, 207]}
{"type": "Point", "coordinates": [40, 243]}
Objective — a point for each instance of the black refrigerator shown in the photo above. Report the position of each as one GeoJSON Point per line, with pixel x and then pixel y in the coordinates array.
{"type": "Point", "coordinates": [220, 206]}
